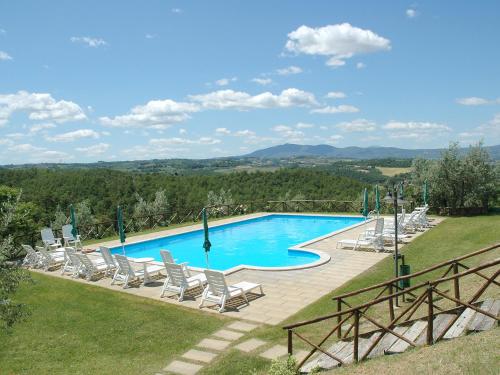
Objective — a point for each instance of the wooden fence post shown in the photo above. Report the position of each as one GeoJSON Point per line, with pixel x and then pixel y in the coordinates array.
{"type": "Point", "coordinates": [356, 336]}
{"type": "Point", "coordinates": [430, 316]}
{"type": "Point", "coordinates": [339, 318]}
{"type": "Point", "coordinates": [391, 303]}
{"type": "Point", "coordinates": [456, 283]}
{"type": "Point", "coordinates": [290, 342]}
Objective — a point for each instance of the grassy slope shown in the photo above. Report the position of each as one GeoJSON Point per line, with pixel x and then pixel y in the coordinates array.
{"type": "Point", "coordinates": [452, 238]}
{"type": "Point", "coordinates": [81, 329]}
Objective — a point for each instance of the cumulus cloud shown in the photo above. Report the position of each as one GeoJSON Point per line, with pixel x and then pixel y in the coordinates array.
{"type": "Point", "coordinates": [229, 99]}
{"type": "Point", "coordinates": [303, 125]}
{"type": "Point", "coordinates": [360, 65]}
{"type": "Point", "coordinates": [150, 36]}
{"type": "Point", "coordinates": [223, 131]}
{"type": "Point", "coordinates": [336, 109]}
{"type": "Point", "coordinates": [37, 154]}
{"type": "Point", "coordinates": [338, 42]}
{"type": "Point", "coordinates": [88, 41]}
{"type": "Point", "coordinates": [335, 95]}
{"type": "Point", "coordinates": [39, 106]}
{"type": "Point", "coordinates": [39, 127]}
{"type": "Point", "coordinates": [183, 141]}
{"type": "Point", "coordinates": [414, 130]}
{"type": "Point", "coordinates": [475, 101]}
{"type": "Point", "coordinates": [74, 135]}
{"type": "Point", "coordinates": [94, 150]}
{"type": "Point", "coordinates": [289, 70]}
{"type": "Point", "coordinates": [333, 139]}
{"type": "Point", "coordinates": [156, 114]}
{"type": "Point", "coordinates": [176, 10]}
{"type": "Point", "coordinates": [411, 13]}
{"type": "Point", "coordinates": [4, 56]}
{"type": "Point", "coordinates": [358, 125]}
{"type": "Point", "coordinates": [244, 133]}
{"type": "Point", "coordinates": [262, 81]}
{"type": "Point", "coordinates": [225, 81]}
{"type": "Point", "coordinates": [289, 133]}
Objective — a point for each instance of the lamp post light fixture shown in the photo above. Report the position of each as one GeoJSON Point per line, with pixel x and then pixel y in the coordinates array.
{"type": "Point", "coordinates": [393, 197]}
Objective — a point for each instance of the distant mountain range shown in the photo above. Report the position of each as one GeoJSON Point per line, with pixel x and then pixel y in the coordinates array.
{"type": "Point", "coordinates": [289, 150]}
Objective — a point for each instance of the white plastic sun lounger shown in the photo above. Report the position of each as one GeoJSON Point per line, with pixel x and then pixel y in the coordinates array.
{"type": "Point", "coordinates": [49, 240]}
{"type": "Point", "coordinates": [89, 268]}
{"type": "Point", "coordinates": [370, 242]}
{"type": "Point", "coordinates": [50, 259]}
{"type": "Point", "coordinates": [32, 258]}
{"type": "Point", "coordinates": [108, 259]}
{"type": "Point", "coordinates": [126, 273]}
{"type": "Point", "coordinates": [177, 281]}
{"type": "Point", "coordinates": [69, 239]}
{"type": "Point", "coordinates": [218, 292]}
{"type": "Point", "coordinates": [71, 263]}
{"type": "Point", "coordinates": [166, 256]}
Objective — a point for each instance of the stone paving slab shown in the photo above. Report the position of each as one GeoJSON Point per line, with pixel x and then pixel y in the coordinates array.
{"type": "Point", "coordinates": [214, 344]}
{"type": "Point", "coordinates": [228, 335]}
{"type": "Point", "coordinates": [275, 352]}
{"type": "Point", "coordinates": [183, 368]}
{"type": "Point", "coordinates": [242, 326]}
{"type": "Point", "coordinates": [200, 356]}
{"type": "Point", "coordinates": [250, 345]}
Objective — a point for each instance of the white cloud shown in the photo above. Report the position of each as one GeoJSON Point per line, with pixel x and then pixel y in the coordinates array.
{"type": "Point", "coordinates": [339, 42]}
{"type": "Point", "coordinates": [39, 127]}
{"type": "Point", "coordinates": [3, 31]}
{"type": "Point", "coordinates": [176, 10]}
{"type": "Point", "coordinates": [229, 99]}
{"type": "Point", "coordinates": [262, 81]}
{"type": "Point", "coordinates": [225, 81]}
{"type": "Point", "coordinates": [156, 114]}
{"type": "Point", "coordinates": [150, 36]}
{"type": "Point", "coordinates": [474, 101]}
{"type": "Point", "coordinates": [415, 130]}
{"type": "Point", "coordinates": [39, 106]}
{"type": "Point", "coordinates": [302, 125]}
{"type": "Point", "coordinates": [32, 153]}
{"type": "Point", "coordinates": [74, 135]}
{"type": "Point", "coordinates": [244, 133]}
{"type": "Point", "coordinates": [335, 95]}
{"type": "Point", "coordinates": [411, 13]}
{"type": "Point", "coordinates": [358, 125]}
{"type": "Point", "coordinates": [223, 131]}
{"type": "Point", "coordinates": [333, 139]}
{"type": "Point", "coordinates": [336, 109]}
{"type": "Point", "coordinates": [94, 150]}
{"type": "Point", "coordinates": [360, 65]}
{"type": "Point", "coordinates": [323, 127]}
{"type": "Point", "coordinates": [4, 56]}
{"type": "Point", "coordinates": [182, 131]}
{"type": "Point", "coordinates": [105, 133]}
{"type": "Point", "coordinates": [90, 42]}
{"type": "Point", "coordinates": [289, 133]}
{"type": "Point", "coordinates": [183, 141]}
{"type": "Point", "coordinates": [289, 70]}
{"type": "Point", "coordinates": [16, 136]}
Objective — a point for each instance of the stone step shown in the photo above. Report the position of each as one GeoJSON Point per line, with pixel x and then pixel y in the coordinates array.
{"type": "Point", "coordinates": [482, 322]}
{"type": "Point", "coordinates": [458, 328]}
{"type": "Point", "coordinates": [411, 334]}
{"type": "Point", "coordinates": [183, 368]}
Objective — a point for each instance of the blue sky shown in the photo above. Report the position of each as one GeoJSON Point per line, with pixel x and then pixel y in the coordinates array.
{"type": "Point", "coordinates": [89, 80]}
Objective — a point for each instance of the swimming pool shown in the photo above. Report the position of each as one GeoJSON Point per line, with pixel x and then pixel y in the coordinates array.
{"type": "Point", "coordinates": [260, 242]}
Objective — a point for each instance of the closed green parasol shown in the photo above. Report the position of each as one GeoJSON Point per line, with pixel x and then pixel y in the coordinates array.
{"type": "Point", "coordinates": [365, 204]}
{"type": "Point", "coordinates": [377, 200]}
{"type": "Point", "coordinates": [206, 244]}
{"type": "Point", "coordinates": [72, 216]}
{"type": "Point", "coordinates": [121, 229]}
{"type": "Point", "coordinates": [425, 193]}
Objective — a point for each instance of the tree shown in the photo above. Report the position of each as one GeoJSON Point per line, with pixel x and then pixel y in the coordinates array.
{"type": "Point", "coordinates": [11, 276]}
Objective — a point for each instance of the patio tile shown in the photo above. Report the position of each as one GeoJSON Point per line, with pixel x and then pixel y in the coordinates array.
{"type": "Point", "coordinates": [275, 352]}
{"type": "Point", "coordinates": [198, 355]}
{"type": "Point", "coordinates": [228, 335]}
{"type": "Point", "coordinates": [250, 345]}
{"type": "Point", "coordinates": [183, 368]}
{"type": "Point", "coordinates": [242, 326]}
{"type": "Point", "coordinates": [214, 344]}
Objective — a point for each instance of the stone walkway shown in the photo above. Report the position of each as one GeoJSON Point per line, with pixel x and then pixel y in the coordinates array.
{"type": "Point", "coordinates": [192, 361]}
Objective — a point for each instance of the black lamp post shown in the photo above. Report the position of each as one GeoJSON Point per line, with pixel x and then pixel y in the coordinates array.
{"type": "Point", "coordinates": [393, 197]}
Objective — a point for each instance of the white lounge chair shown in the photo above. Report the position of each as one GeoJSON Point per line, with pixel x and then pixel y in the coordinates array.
{"type": "Point", "coordinates": [218, 292]}
{"type": "Point", "coordinates": [370, 242]}
{"type": "Point", "coordinates": [89, 267]}
{"type": "Point", "coordinates": [49, 240]}
{"type": "Point", "coordinates": [108, 259]}
{"type": "Point", "coordinates": [166, 256]}
{"type": "Point", "coordinates": [71, 263]}
{"type": "Point", "coordinates": [69, 238]}
{"type": "Point", "coordinates": [379, 228]}
{"type": "Point", "coordinates": [126, 273]}
{"type": "Point", "coordinates": [177, 282]}
{"type": "Point", "coordinates": [50, 259]}
{"type": "Point", "coordinates": [32, 258]}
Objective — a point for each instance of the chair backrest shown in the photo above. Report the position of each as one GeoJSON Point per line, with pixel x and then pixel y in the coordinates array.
{"type": "Point", "coordinates": [72, 256]}
{"type": "Point", "coordinates": [176, 274]}
{"type": "Point", "coordinates": [124, 265]}
{"type": "Point", "coordinates": [85, 260]}
{"type": "Point", "coordinates": [216, 282]}
{"type": "Point", "coordinates": [67, 231]}
{"type": "Point", "coordinates": [48, 236]}
{"type": "Point", "coordinates": [43, 252]}
{"type": "Point", "coordinates": [379, 225]}
{"type": "Point", "coordinates": [29, 250]}
{"type": "Point", "coordinates": [166, 256]}
{"type": "Point", "coordinates": [106, 255]}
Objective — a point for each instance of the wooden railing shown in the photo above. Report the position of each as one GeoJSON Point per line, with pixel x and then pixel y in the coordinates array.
{"type": "Point", "coordinates": [347, 321]}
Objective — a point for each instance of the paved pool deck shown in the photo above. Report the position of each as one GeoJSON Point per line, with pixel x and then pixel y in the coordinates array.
{"type": "Point", "coordinates": [285, 292]}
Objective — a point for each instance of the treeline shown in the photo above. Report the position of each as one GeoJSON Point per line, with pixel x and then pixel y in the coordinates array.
{"type": "Point", "coordinates": [103, 190]}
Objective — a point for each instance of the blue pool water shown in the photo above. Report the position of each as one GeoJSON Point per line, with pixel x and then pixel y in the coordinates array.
{"type": "Point", "coordinates": [263, 242]}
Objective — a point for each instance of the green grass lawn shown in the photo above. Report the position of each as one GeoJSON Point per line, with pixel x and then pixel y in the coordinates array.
{"type": "Point", "coordinates": [82, 329]}
{"type": "Point", "coordinates": [452, 238]}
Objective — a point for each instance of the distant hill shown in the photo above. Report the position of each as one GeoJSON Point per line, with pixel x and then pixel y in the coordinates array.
{"type": "Point", "coordinates": [289, 150]}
